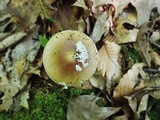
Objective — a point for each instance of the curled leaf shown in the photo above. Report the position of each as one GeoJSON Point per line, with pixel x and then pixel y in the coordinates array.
{"type": "Point", "coordinates": [125, 24]}
{"type": "Point", "coordinates": [109, 65]}
{"type": "Point", "coordinates": [101, 27]}
{"type": "Point", "coordinates": [155, 58]}
{"type": "Point", "coordinates": [85, 108]}
{"type": "Point", "coordinates": [144, 8]}
{"type": "Point", "coordinates": [128, 82]}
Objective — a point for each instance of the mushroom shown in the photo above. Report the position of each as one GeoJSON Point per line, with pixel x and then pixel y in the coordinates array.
{"type": "Point", "coordinates": [70, 58]}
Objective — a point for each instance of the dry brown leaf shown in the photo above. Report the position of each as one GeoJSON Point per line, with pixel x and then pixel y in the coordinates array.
{"type": "Point", "coordinates": [125, 36]}
{"type": "Point", "coordinates": [26, 12]}
{"type": "Point", "coordinates": [4, 79]}
{"type": "Point", "coordinates": [85, 108]}
{"type": "Point", "coordinates": [10, 40]}
{"type": "Point", "coordinates": [156, 94]}
{"type": "Point", "coordinates": [3, 4]}
{"type": "Point", "coordinates": [108, 65]}
{"type": "Point", "coordinates": [124, 26]}
{"type": "Point", "coordinates": [153, 83]}
{"type": "Point", "coordinates": [9, 91]}
{"type": "Point", "coordinates": [143, 44]}
{"type": "Point", "coordinates": [143, 104]}
{"type": "Point", "coordinates": [127, 83]}
{"type": "Point", "coordinates": [98, 81]}
{"type": "Point", "coordinates": [155, 58]}
{"type": "Point", "coordinates": [155, 36]}
{"type": "Point", "coordinates": [15, 65]}
{"type": "Point", "coordinates": [122, 117]}
{"type": "Point", "coordinates": [66, 17]}
{"type": "Point", "coordinates": [118, 4]}
{"type": "Point", "coordinates": [101, 27]}
{"type": "Point", "coordinates": [144, 8]}
{"type": "Point", "coordinates": [80, 3]}
{"type": "Point", "coordinates": [132, 103]}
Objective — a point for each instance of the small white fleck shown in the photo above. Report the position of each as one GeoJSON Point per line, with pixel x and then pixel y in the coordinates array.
{"type": "Point", "coordinates": [78, 68]}
{"type": "Point", "coordinates": [63, 84]}
{"type": "Point", "coordinates": [81, 54]}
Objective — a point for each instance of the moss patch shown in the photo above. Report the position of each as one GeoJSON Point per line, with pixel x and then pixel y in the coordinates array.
{"type": "Point", "coordinates": [45, 103]}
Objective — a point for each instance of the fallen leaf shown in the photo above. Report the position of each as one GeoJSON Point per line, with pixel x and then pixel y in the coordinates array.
{"type": "Point", "coordinates": [3, 4]}
{"type": "Point", "coordinates": [155, 58]}
{"type": "Point", "coordinates": [143, 44]}
{"type": "Point", "coordinates": [65, 17]}
{"type": "Point", "coordinates": [101, 27]}
{"type": "Point", "coordinates": [80, 3]}
{"type": "Point", "coordinates": [109, 65]}
{"type": "Point", "coordinates": [118, 4]}
{"type": "Point", "coordinates": [85, 108]}
{"type": "Point", "coordinates": [24, 98]}
{"type": "Point", "coordinates": [26, 12]}
{"type": "Point", "coordinates": [122, 117]}
{"type": "Point", "coordinates": [10, 40]}
{"type": "Point", "coordinates": [155, 36]}
{"type": "Point", "coordinates": [144, 8]}
{"type": "Point", "coordinates": [132, 103]}
{"type": "Point", "coordinates": [4, 79]}
{"type": "Point", "coordinates": [155, 94]}
{"type": "Point", "coordinates": [153, 83]}
{"type": "Point", "coordinates": [127, 83]}
{"type": "Point", "coordinates": [98, 81]}
{"type": "Point", "coordinates": [124, 25]}
{"type": "Point", "coordinates": [143, 104]}
{"type": "Point", "coordinates": [9, 91]}
{"type": "Point", "coordinates": [15, 65]}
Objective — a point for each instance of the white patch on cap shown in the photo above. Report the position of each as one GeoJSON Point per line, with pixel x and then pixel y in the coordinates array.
{"type": "Point", "coordinates": [78, 68]}
{"type": "Point", "coordinates": [81, 54]}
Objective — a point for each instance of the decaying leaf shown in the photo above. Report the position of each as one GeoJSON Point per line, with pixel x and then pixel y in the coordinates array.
{"type": "Point", "coordinates": [24, 98]}
{"type": "Point", "coordinates": [143, 104]}
{"type": "Point", "coordinates": [119, 5]}
{"type": "Point", "coordinates": [9, 91]}
{"type": "Point", "coordinates": [125, 24]}
{"type": "Point", "coordinates": [109, 65]}
{"type": "Point", "coordinates": [144, 8]}
{"type": "Point", "coordinates": [98, 81]}
{"type": "Point", "coordinates": [143, 43]}
{"type": "Point", "coordinates": [10, 40]}
{"type": "Point", "coordinates": [15, 65]}
{"type": "Point", "coordinates": [3, 4]}
{"type": "Point", "coordinates": [101, 27]}
{"type": "Point", "coordinates": [155, 36]}
{"type": "Point", "coordinates": [155, 58]}
{"type": "Point", "coordinates": [26, 12]}
{"type": "Point", "coordinates": [21, 99]}
{"type": "Point", "coordinates": [127, 84]}
{"type": "Point", "coordinates": [156, 94]}
{"type": "Point", "coordinates": [66, 17]}
{"type": "Point", "coordinates": [80, 3]}
{"type": "Point", "coordinates": [109, 55]}
{"type": "Point", "coordinates": [85, 108]}
{"type": "Point", "coordinates": [132, 103]}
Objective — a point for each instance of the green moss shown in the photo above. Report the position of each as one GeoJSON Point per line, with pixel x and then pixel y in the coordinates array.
{"type": "Point", "coordinates": [154, 108]}
{"type": "Point", "coordinates": [45, 104]}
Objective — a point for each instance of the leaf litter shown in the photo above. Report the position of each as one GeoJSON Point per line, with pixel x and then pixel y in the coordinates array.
{"type": "Point", "coordinates": [84, 107]}
{"type": "Point", "coordinates": [113, 25]}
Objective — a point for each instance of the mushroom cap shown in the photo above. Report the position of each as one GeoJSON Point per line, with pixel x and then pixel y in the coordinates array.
{"type": "Point", "coordinates": [70, 58]}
